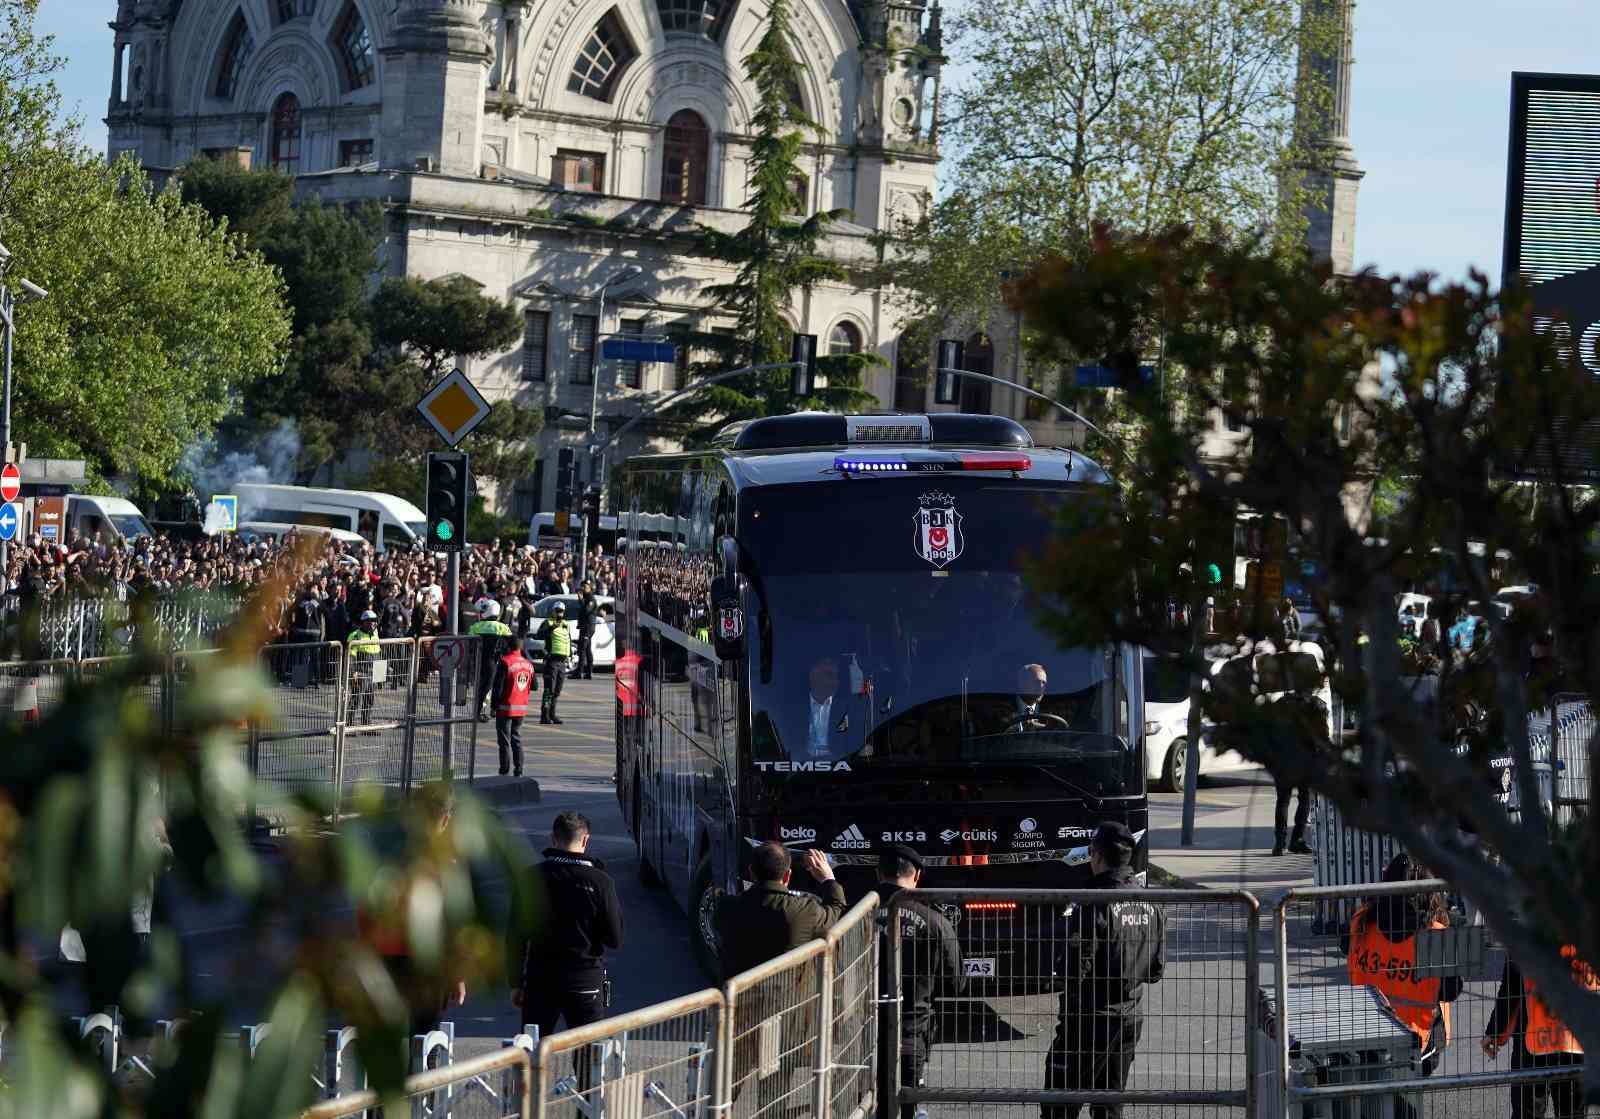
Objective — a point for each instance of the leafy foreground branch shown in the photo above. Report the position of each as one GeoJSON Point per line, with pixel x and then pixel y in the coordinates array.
{"type": "Point", "coordinates": [81, 842]}
{"type": "Point", "coordinates": [1445, 387]}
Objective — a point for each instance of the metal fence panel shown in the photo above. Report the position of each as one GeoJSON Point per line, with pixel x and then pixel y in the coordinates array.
{"type": "Point", "coordinates": [853, 978]}
{"type": "Point", "coordinates": [494, 1086]}
{"type": "Point", "coordinates": [1573, 731]}
{"type": "Point", "coordinates": [297, 745]}
{"type": "Point", "coordinates": [1050, 1018]}
{"type": "Point", "coordinates": [377, 713]}
{"type": "Point", "coordinates": [777, 1015]}
{"type": "Point", "coordinates": [660, 1061]}
{"type": "Point", "coordinates": [441, 727]}
{"type": "Point", "coordinates": [32, 690]}
{"type": "Point", "coordinates": [1344, 1050]}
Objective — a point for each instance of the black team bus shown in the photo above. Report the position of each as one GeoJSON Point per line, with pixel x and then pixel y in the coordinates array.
{"type": "Point", "coordinates": [836, 647]}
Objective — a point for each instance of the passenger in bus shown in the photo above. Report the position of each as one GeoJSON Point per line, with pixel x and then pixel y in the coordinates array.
{"type": "Point", "coordinates": [827, 708]}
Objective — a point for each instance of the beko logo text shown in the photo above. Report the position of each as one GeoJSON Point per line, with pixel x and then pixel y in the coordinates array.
{"type": "Point", "coordinates": [804, 767]}
{"type": "Point", "coordinates": [950, 836]}
{"type": "Point", "coordinates": [905, 837]}
{"type": "Point", "coordinates": [798, 833]}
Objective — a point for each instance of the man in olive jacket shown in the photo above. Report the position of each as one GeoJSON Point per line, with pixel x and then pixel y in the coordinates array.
{"type": "Point", "coordinates": [769, 918]}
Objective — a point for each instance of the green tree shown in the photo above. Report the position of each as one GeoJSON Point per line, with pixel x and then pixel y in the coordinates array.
{"type": "Point", "coordinates": [1448, 385]}
{"type": "Point", "coordinates": [358, 362]}
{"type": "Point", "coordinates": [156, 318]}
{"type": "Point", "coordinates": [776, 253]}
{"type": "Point", "coordinates": [1140, 113]}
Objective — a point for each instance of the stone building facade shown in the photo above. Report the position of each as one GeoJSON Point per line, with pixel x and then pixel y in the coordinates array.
{"type": "Point", "coordinates": [558, 153]}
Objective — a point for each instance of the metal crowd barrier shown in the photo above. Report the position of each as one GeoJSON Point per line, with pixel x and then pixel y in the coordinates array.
{"type": "Point", "coordinates": [337, 722]}
{"type": "Point", "coordinates": [79, 628]}
{"type": "Point", "coordinates": [493, 1086]}
{"type": "Point", "coordinates": [1341, 1051]}
{"type": "Point", "coordinates": [1018, 1035]}
{"type": "Point", "coordinates": [1573, 731]}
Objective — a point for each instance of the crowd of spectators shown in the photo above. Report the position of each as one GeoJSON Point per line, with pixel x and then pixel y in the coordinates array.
{"type": "Point", "coordinates": [316, 583]}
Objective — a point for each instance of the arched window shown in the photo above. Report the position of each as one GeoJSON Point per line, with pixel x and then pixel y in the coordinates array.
{"type": "Point", "coordinates": [844, 339]}
{"type": "Point", "coordinates": [295, 9]}
{"type": "Point", "coordinates": [286, 134]}
{"type": "Point", "coordinates": [684, 159]}
{"type": "Point", "coordinates": [793, 98]}
{"type": "Point", "coordinates": [353, 45]}
{"type": "Point", "coordinates": [694, 17]}
{"type": "Point", "coordinates": [236, 51]}
{"type": "Point", "coordinates": [605, 55]}
{"type": "Point", "coordinates": [976, 395]}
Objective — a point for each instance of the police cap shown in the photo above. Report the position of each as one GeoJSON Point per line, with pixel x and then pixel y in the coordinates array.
{"type": "Point", "coordinates": [894, 853]}
{"type": "Point", "coordinates": [1113, 833]}
{"type": "Point", "coordinates": [369, 616]}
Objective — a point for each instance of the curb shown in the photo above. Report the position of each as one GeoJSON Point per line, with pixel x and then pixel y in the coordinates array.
{"type": "Point", "coordinates": [502, 791]}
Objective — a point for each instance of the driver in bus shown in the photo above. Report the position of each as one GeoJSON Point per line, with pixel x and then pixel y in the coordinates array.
{"type": "Point", "coordinates": [1032, 683]}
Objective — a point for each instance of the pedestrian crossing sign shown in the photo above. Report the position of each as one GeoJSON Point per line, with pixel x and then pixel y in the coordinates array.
{"type": "Point", "coordinates": [222, 515]}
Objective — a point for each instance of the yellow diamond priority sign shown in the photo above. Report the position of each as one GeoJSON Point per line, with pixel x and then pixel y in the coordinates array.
{"type": "Point", "coordinates": [454, 407]}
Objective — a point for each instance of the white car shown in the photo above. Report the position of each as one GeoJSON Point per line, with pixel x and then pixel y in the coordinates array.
{"type": "Point", "coordinates": [1271, 674]}
{"type": "Point", "coordinates": [1166, 730]}
{"type": "Point", "coordinates": [604, 642]}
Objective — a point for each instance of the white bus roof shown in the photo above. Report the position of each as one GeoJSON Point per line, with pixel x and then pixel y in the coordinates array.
{"type": "Point", "coordinates": [121, 506]}
{"type": "Point", "coordinates": [397, 507]}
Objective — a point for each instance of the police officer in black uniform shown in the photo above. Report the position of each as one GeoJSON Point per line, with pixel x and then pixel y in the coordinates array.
{"type": "Point", "coordinates": [1111, 951]}
{"type": "Point", "coordinates": [930, 962]}
{"type": "Point", "coordinates": [588, 614]}
{"type": "Point", "coordinates": [769, 918]}
{"type": "Point", "coordinates": [563, 961]}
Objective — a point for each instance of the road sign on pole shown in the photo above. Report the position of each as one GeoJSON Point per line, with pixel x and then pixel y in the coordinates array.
{"type": "Point", "coordinates": [10, 482]}
{"type": "Point", "coordinates": [454, 407]}
{"type": "Point", "coordinates": [448, 653]}
{"type": "Point", "coordinates": [10, 521]}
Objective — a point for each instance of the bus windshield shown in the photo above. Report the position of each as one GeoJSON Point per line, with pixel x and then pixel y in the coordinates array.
{"type": "Point", "coordinates": [896, 632]}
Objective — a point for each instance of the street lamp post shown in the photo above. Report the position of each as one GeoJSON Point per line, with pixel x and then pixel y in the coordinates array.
{"type": "Point", "coordinates": [8, 309]}
{"type": "Point", "coordinates": [627, 273]}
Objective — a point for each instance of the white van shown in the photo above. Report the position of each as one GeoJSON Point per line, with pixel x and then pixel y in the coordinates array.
{"type": "Point", "coordinates": [382, 520]}
{"type": "Point", "coordinates": [542, 533]}
{"type": "Point", "coordinates": [112, 517]}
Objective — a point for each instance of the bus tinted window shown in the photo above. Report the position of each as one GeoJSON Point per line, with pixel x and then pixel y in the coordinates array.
{"type": "Point", "coordinates": [896, 629]}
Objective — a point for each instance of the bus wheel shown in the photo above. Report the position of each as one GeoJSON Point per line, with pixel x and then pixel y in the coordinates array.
{"type": "Point", "coordinates": [647, 873]}
{"type": "Point", "coordinates": [703, 900]}
{"type": "Point", "coordinates": [1171, 779]}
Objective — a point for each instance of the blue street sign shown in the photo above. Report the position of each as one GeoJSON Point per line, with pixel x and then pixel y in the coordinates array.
{"type": "Point", "coordinates": [1103, 377]}
{"type": "Point", "coordinates": [10, 521]}
{"type": "Point", "coordinates": [629, 349]}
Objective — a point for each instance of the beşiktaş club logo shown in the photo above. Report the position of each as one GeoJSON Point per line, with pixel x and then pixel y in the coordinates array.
{"type": "Point", "coordinates": [798, 835]}
{"type": "Point", "coordinates": [950, 835]}
{"type": "Point", "coordinates": [851, 839]}
{"type": "Point", "coordinates": [938, 537]}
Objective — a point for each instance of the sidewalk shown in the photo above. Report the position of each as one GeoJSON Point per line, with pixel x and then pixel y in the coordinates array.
{"type": "Point", "coordinates": [1232, 840]}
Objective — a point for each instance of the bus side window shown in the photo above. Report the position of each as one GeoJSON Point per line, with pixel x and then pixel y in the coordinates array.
{"type": "Point", "coordinates": [367, 526]}
{"type": "Point", "coordinates": [395, 538]}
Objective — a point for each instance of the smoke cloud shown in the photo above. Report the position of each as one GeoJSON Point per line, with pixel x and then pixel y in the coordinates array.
{"type": "Point", "coordinates": [213, 470]}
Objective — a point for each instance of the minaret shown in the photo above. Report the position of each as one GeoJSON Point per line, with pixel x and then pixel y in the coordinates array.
{"type": "Point", "coordinates": [1331, 210]}
{"type": "Point", "coordinates": [433, 89]}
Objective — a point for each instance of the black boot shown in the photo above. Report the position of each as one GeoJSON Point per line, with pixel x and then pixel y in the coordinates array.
{"type": "Point", "coordinates": [1277, 848]}
{"type": "Point", "coordinates": [1299, 846]}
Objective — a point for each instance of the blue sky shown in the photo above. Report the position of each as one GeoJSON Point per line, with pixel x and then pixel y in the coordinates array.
{"type": "Point", "coordinates": [1430, 103]}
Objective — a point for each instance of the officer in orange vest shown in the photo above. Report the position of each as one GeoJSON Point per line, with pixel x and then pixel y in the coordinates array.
{"type": "Point", "coordinates": [1382, 946]}
{"type": "Point", "coordinates": [1538, 1040]}
{"type": "Point", "coordinates": [513, 684]}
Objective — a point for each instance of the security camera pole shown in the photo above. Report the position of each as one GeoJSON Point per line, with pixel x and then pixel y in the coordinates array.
{"type": "Point", "coordinates": [8, 308]}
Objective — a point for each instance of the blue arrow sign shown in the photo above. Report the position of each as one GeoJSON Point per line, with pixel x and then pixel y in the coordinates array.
{"type": "Point", "coordinates": [629, 349]}
{"type": "Point", "coordinates": [1104, 377]}
{"type": "Point", "coordinates": [10, 521]}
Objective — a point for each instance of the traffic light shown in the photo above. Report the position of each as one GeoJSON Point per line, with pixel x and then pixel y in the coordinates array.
{"type": "Point", "coordinates": [803, 374]}
{"type": "Point", "coordinates": [566, 478]}
{"type": "Point", "coordinates": [591, 501]}
{"type": "Point", "coordinates": [447, 501]}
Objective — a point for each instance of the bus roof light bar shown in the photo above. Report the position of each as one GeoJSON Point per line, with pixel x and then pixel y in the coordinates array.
{"type": "Point", "coordinates": [932, 464]}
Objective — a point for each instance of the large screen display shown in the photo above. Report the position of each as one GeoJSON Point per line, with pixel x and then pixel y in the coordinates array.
{"type": "Point", "coordinates": [1552, 238]}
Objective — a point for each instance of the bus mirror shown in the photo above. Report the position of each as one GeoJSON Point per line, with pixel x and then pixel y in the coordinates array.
{"type": "Point", "coordinates": [727, 616]}
{"type": "Point", "coordinates": [728, 554]}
